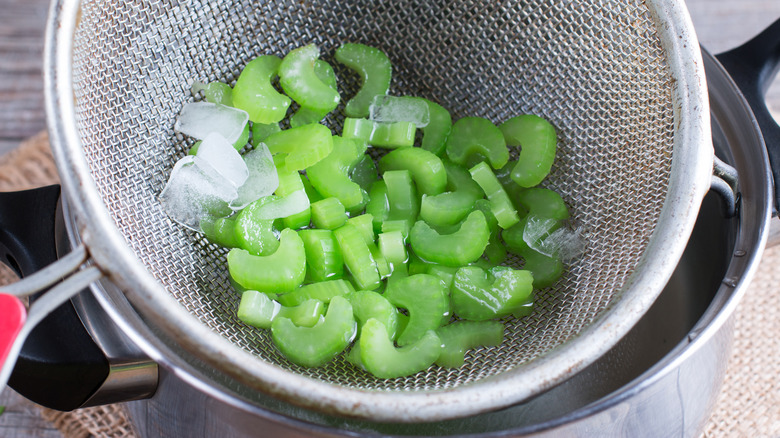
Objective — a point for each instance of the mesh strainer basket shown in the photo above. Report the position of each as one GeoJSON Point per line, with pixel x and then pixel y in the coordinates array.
{"type": "Point", "coordinates": [621, 80]}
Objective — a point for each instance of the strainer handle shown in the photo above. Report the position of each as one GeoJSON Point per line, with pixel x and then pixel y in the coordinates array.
{"type": "Point", "coordinates": [59, 365]}
{"type": "Point", "coordinates": [753, 66]}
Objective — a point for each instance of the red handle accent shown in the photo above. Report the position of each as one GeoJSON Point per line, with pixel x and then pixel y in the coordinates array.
{"type": "Point", "coordinates": [12, 317]}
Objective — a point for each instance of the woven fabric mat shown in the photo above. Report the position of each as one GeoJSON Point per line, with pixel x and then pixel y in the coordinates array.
{"type": "Point", "coordinates": [749, 404]}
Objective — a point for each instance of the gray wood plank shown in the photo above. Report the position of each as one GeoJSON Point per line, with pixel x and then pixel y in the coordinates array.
{"type": "Point", "coordinates": [21, 419]}
{"type": "Point", "coordinates": [21, 116]}
{"type": "Point", "coordinates": [21, 59]}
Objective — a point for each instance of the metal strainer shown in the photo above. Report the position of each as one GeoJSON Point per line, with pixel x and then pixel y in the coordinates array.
{"type": "Point", "coordinates": [621, 80]}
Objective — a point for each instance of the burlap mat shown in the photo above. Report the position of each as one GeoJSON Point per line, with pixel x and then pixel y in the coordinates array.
{"type": "Point", "coordinates": [749, 405]}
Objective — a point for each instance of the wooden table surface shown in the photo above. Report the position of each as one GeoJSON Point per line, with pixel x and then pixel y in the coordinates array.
{"type": "Point", "coordinates": [720, 24]}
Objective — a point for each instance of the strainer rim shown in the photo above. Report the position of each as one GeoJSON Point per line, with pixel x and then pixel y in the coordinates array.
{"type": "Point", "coordinates": [691, 171]}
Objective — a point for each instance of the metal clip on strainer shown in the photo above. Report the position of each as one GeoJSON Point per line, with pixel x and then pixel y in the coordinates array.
{"type": "Point", "coordinates": [621, 80]}
{"type": "Point", "coordinates": [17, 321]}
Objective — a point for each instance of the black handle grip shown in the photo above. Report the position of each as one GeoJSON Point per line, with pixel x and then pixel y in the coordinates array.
{"type": "Point", "coordinates": [753, 66]}
{"type": "Point", "coordinates": [60, 366]}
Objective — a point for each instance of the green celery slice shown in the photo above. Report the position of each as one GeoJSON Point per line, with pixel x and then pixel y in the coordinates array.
{"type": "Point", "coordinates": [368, 304]}
{"type": "Point", "coordinates": [375, 71]}
{"type": "Point", "coordinates": [357, 257]}
{"type": "Point", "coordinates": [301, 147]}
{"type": "Point", "coordinates": [300, 81]}
{"type": "Point", "coordinates": [323, 291]}
{"type": "Point", "coordinates": [331, 178]}
{"type": "Point", "coordinates": [323, 256]}
{"type": "Point", "coordinates": [282, 271]}
{"type": "Point", "coordinates": [538, 142]}
{"type": "Point", "coordinates": [479, 295]}
{"type": "Point", "coordinates": [500, 204]}
{"type": "Point", "coordinates": [317, 345]}
{"type": "Point", "coordinates": [460, 336]}
{"type": "Point", "coordinates": [426, 169]}
{"type": "Point", "coordinates": [328, 214]}
{"type": "Point", "coordinates": [456, 249]}
{"type": "Point", "coordinates": [476, 136]}
{"type": "Point", "coordinates": [382, 359]}
{"type": "Point", "coordinates": [255, 94]}
{"type": "Point", "coordinates": [427, 301]}
{"type": "Point", "coordinates": [258, 310]}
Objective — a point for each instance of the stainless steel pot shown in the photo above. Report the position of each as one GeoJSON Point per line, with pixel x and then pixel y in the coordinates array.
{"type": "Point", "coordinates": [662, 379]}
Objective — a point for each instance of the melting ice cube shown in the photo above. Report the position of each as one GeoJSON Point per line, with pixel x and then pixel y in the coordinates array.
{"type": "Point", "coordinates": [224, 158]}
{"type": "Point", "coordinates": [262, 178]}
{"type": "Point", "coordinates": [564, 242]}
{"type": "Point", "coordinates": [199, 119]}
{"type": "Point", "coordinates": [195, 192]}
{"type": "Point", "coordinates": [391, 109]}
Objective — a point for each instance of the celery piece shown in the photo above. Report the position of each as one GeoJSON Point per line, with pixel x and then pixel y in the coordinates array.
{"type": "Point", "coordinates": [317, 345]}
{"type": "Point", "coordinates": [455, 249]}
{"type": "Point", "coordinates": [261, 131]}
{"type": "Point", "coordinates": [500, 204]}
{"type": "Point", "coordinates": [375, 71]}
{"type": "Point", "coordinates": [438, 129]}
{"type": "Point", "coordinates": [495, 252]}
{"type": "Point", "coordinates": [446, 209]}
{"type": "Point", "coordinates": [328, 214]}
{"type": "Point", "coordinates": [306, 114]}
{"type": "Point", "coordinates": [299, 80]}
{"type": "Point", "coordinates": [221, 231]}
{"type": "Point", "coordinates": [331, 178]}
{"type": "Point", "coordinates": [397, 225]}
{"type": "Point", "coordinates": [402, 199]}
{"type": "Point", "coordinates": [258, 310]}
{"type": "Point", "coordinates": [255, 94]}
{"type": "Point", "coordinates": [289, 183]}
{"type": "Point", "coordinates": [384, 135]}
{"type": "Point", "coordinates": [364, 223]}
{"type": "Point", "coordinates": [301, 147]}
{"type": "Point", "coordinates": [459, 336]}
{"type": "Point", "coordinates": [323, 291]}
{"type": "Point", "coordinates": [323, 256]}
{"type": "Point", "coordinates": [258, 236]}
{"type": "Point", "coordinates": [369, 304]}
{"type": "Point", "coordinates": [364, 172]}
{"type": "Point", "coordinates": [427, 301]}
{"type": "Point", "coordinates": [382, 359]}
{"type": "Point", "coordinates": [392, 247]}
{"type": "Point", "coordinates": [357, 257]}
{"type": "Point", "coordinates": [426, 169]}
{"type": "Point", "coordinates": [282, 271]}
{"type": "Point", "coordinates": [479, 295]}
{"type": "Point", "coordinates": [378, 205]}
{"type": "Point", "coordinates": [477, 136]}
{"type": "Point", "coordinates": [538, 142]}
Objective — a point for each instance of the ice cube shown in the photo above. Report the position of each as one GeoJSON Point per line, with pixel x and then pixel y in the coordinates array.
{"type": "Point", "coordinates": [563, 242]}
{"type": "Point", "coordinates": [568, 243]}
{"type": "Point", "coordinates": [199, 119]}
{"type": "Point", "coordinates": [262, 178]}
{"type": "Point", "coordinates": [291, 204]}
{"type": "Point", "coordinates": [224, 158]}
{"type": "Point", "coordinates": [389, 109]}
{"type": "Point", "coordinates": [196, 192]}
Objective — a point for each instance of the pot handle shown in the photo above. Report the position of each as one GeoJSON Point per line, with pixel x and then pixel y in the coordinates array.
{"type": "Point", "coordinates": [753, 66]}
{"type": "Point", "coordinates": [59, 365]}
